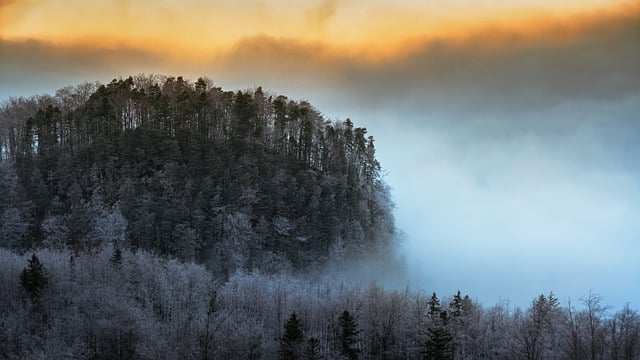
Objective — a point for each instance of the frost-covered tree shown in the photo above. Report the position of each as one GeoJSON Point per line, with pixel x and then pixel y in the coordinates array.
{"type": "Point", "coordinates": [238, 239]}
{"type": "Point", "coordinates": [538, 330]}
{"type": "Point", "coordinates": [111, 226]}
{"type": "Point", "coordinates": [55, 231]}
{"type": "Point", "coordinates": [624, 329]}
{"type": "Point", "coordinates": [13, 228]}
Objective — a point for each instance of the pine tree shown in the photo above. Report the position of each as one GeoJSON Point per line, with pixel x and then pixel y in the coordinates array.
{"type": "Point", "coordinates": [348, 335]}
{"type": "Point", "coordinates": [34, 277]}
{"type": "Point", "coordinates": [457, 305]}
{"type": "Point", "coordinates": [438, 345]}
{"type": "Point", "coordinates": [291, 341]}
{"type": "Point", "coordinates": [312, 352]}
{"type": "Point", "coordinates": [434, 307]}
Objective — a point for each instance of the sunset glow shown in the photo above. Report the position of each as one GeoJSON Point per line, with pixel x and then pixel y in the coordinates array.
{"type": "Point", "coordinates": [194, 29]}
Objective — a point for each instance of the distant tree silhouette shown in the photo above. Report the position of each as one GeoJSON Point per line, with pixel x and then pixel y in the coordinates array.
{"type": "Point", "coordinates": [34, 277]}
{"type": "Point", "coordinates": [348, 335]}
{"type": "Point", "coordinates": [292, 340]}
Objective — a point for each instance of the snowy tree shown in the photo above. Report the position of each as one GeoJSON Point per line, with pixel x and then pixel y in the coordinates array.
{"type": "Point", "coordinates": [624, 329]}
{"type": "Point", "coordinates": [111, 227]}
{"type": "Point", "coordinates": [56, 233]}
{"type": "Point", "coordinates": [537, 331]}
{"type": "Point", "coordinates": [13, 228]}
{"type": "Point", "coordinates": [238, 237]}
{"type": "Point", "coordinates": [595, 312]}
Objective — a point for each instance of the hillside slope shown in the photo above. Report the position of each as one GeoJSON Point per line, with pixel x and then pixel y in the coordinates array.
{"type": "Point", "coordinates": [231, 179]}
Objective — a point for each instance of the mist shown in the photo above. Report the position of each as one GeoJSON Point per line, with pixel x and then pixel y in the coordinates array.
{"type": "Point", "coordinates": [514, 211]}
{"type": "Point", "coordinates": [514, 170]}
{"type": "Point", "coordinates": [512, 160]}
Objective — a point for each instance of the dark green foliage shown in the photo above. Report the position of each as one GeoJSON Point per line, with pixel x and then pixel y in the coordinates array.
{"type": "Point", "coordinates": [434, 307]}
{"type": "Point", "coordinates": [312, 352]}
{"type": "Point", "coordinates": [229, 179]}
{"type": "Point", "coordinates": [438, 345]}
{"type": "Point", "coordinates": [33, 278]}
{"type": "Point", "coordinates": [292, 341]}
{"type": "Point", "coordinates": [348, 335]}
{"type": "Point", "coordinates": [457, 305]}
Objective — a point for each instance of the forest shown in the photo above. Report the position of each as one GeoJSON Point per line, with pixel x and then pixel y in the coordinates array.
{"type": "Point", "coordinates": [227, 179]}
{"type": "Point", "coordinates": [158, 218]}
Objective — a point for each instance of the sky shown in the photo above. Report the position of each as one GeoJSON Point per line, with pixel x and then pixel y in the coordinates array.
{"type": "Point", "coordinates": [507, 129]}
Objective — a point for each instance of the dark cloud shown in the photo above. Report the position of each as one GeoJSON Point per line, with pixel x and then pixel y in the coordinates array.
{"type": "Point", "coordinates": [30, 66]}
{"type": "Point", "coordinates": [598, 63]}
{"type": "Point", "coordinates": [488, 71]}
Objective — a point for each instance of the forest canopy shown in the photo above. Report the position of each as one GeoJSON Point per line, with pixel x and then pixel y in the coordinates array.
{"type": "Point", "coordinates": [242, 179]}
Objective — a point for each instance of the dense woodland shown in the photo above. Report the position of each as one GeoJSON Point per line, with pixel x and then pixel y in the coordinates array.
{"type": "Point", "coordinates": [228, 179]}
{"type": "Point", "coordinates": [155, 218]}
{"type": "Point", "coordinates": [120, 304]}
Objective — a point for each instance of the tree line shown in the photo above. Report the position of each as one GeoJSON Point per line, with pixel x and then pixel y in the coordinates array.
{"type": "Point", "coordinates": [232, 180]}
{"type": "Point", "coordinates": [119, 304]}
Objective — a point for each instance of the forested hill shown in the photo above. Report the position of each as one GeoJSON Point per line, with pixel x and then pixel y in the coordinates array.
{"type": "Point", "coordinates": [233, 180]}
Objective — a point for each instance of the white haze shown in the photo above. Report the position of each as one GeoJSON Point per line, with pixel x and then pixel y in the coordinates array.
{"type": "Point", "coordinates": [511, 212]}
{"type": "Point", "coordinates": [515, 171]}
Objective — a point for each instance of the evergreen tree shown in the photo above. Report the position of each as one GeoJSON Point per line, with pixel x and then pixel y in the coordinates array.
{"type": "Point", "coordinates": [457, 305]}
{"type": "Point", "coordinates": [312, 351]}
{"type": "Point", "coordinates": [292, 340]}
{"type": "Point", "coordinates": [348, 335]}
{"type": "Point", "coordinates": [34, 277]}
{"type": "Point", "coordinates": [438, 345]}
{"type": "Point", "coordinates": [434, 307]}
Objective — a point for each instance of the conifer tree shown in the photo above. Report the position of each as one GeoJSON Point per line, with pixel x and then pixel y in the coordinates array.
{"type": "Point", "coordinates": [312, 352]}
{"type": "Point", "coordinates": [34, 277]}
{"type": "Point", "coordinates": [434, 307]}
{"type": "Point", "coordinates": [292, 340]}
{"type": "Point", "coordinates": [438, 345]}
{"type": "Point", "coordinates": [457, 305]}
{"type": "Point", "coordinates": [348, 335]}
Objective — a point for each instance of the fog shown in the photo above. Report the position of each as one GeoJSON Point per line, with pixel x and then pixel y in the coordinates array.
{"type": "Point", "coordinates": [514, 167]}
{"type": "Point", "coordinates": [514, 170]}
{"type": "Point", "coordinates": [509, 212]}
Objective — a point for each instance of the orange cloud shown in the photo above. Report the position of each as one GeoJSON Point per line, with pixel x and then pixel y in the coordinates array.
{"type": "Point", "coordinates": [590, 54]}
{"type": "Point", "coordinates": [202, 28]}
{"type": "Point", "coordinates": [497, 68]}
